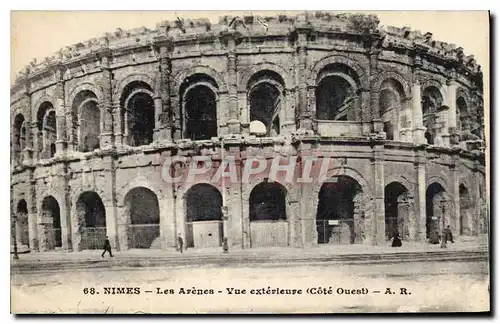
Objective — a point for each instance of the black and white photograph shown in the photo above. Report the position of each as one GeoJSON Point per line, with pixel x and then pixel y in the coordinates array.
{"type": "Point", "coordinates": [238, 162]}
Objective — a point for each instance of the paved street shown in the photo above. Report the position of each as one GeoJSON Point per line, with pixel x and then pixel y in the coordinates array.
{"type": "Point", "coordinates": [431, 286]}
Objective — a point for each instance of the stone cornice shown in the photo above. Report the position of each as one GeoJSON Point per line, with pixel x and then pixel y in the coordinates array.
{"type": "Point", "coordinates": [186, 31]}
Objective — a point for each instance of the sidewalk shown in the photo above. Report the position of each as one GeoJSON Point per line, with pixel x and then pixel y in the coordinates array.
{"type": "Point", "coordinates": [464, 248]}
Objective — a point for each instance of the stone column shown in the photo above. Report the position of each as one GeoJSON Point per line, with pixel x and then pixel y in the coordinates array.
{"type": "Point", "coordinates": [117, 124]}
{"type": "Point", "coordinates": [454, 214]}
{"type": "Point", "coordinates": [27, 153]}
{"type": "Point", "coordinates": [418, 127]}
{"type": "Point", "coordinates": [358, 202]}
{"type": "Point", "coordinates": [288, 106]}
{"type": "Point", "coordinates": [36, 135]}
{"type": "Point", "coordinates": [233, 202]}
{"type": "Point", "coordinates": [366, 114]}
{"type": "Point", "coordinates": [420, 160]}
{"type": "Point", "coordinates": [72, 137]}
{"type": "Point", "coordinates": [379, 186]}
{"type": "Point", "coordinates": [233, 120]}
{"type": "Point", "coordinates": [168, 221]}
{"type": "Point", "coordinates": [451, 102]}
{"type": "Point", "coordinates": [373, 110]}
{"type": "Point", "coordinates": [60, 113]}
{"type": "Point", "coordinates": [163, 102]}
{"type": "Point", "coordinates": [32, 213]}
{"type": "Point", "coordinates": [406, 121]}
{"type": "Point", "coordinates": [66, 225]}
{"type": "Point", "coordinates": [445, 136]}
{"type": "Point", "coordinates": [305, 116]}
{"type": "Point", "coordinates": [106, 105]}
{"type": "Point", "coordinates": [244, 112]}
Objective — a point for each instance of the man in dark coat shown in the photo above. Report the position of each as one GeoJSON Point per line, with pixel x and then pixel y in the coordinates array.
{"type": "Point", "coordinates": [180, 242]}
{"type": "Point", "coordinates": [448, 235]}
{"type": "Point", "coordinates": [396, 241]}
{"type": "Point", "coordinates": [434, 237]}
{"type": "Point", "coordinates": [107, 248]}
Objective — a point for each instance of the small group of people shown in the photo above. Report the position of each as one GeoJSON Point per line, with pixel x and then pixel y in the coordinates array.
{"type": "Point", "coordinates": [435, 238]}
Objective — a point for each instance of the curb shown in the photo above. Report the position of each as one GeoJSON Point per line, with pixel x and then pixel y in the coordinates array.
{"type": "Point", "coordinates": [249, 260]}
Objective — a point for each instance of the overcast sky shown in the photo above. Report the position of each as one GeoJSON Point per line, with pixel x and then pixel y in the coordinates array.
{"type": "Point", "coordinates": [40, 34]}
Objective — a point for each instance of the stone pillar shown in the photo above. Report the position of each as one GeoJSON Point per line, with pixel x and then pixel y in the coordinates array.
{"type": "Point", "coordinates": [163, 103]}
{"type": "Point", "coordinates": [418, 127]}
{"type": "Point", "coordinates": [366, 113]}
{"type": "Point", "coordinates": [158, 102]}
{"type": "Point", "coordinates": [379, 186]}
{"type": "Point", "coordinates": [244, 112]}
{"type": "Point", "coordinates": [358, 216]}
{"type": "Point", "coordinates": [117, 124]}
{"type": "Point", "coordinates": [168, 221]}
{"type": "Point", "coordinates": [66, 226]}
{"type": "Point", "coordinates": [420, 198]}
{"type": "Point", "coordinates": [106, 105]}
{"type": "Point", "coordinates": [109, 201]}
{"type": "Point", "coordinates": [288, 108]}
{"type": "Point", "coordinates": [27, 153]}
{"type": "Point", "coordinates": [233, 202]}
{"type": "Point", "coordinates": [451, 102]}
{"type": "Point", "coordinates": [72, 137]}
{"type": "Point", "coordinates": [60, 113]}
{"type": "Point", "coordinates": [454, 215]}
{"type": "Point", "coordinates": [445, 136]}
{"type": "Point", "coordinates": [406, 134]}
{"type": "Point", "coordinates": [305, 116]}
{"type": "Point", "coordinates": [36, 135]}
{"type": "Point", "coordinates": [373, 109]}
{"type": "Point", "coordinates": [233, 120]}
{"type": "Point", "coordinates": [32, 213]}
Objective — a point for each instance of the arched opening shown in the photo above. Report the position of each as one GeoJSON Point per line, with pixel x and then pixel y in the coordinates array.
{"type": "Point", "coordinates": [47, 130]}
{"type": "Point", "coordinates": [199, 107]}
{"type": "Point", "coordinates": [437, 206]}
{"type": "Point", "coordinates": [268, 215]}
{"type": "Point", "coordinates": [19, 132]}
{"type": "Point", "coordinates": [141, 205]}
{"type": "Point", "coordinates": [391, 108]}
{"type": "Point", "coordinates": [432, 100]}
{"type": "Point", "coordinates": [465, 210]}
{"type": "Point", "coordinates": [86, 120]}
{"type": "Point", "coordinates": [204, 226]}
{"type": "Point", "coordinates": [337, 94]}
{"type": "Point", "coordinates": [51, 224]}
{"type": "Point", "coordinates": [338, 211]}
{"type": "Point", "coordinates": [462, 113]}
{"type": "Point", "coordinates": [22, 231]}
{"type": "Point", "coordinates": [265, 97]}
{"type": "Point", "coordinates": [91, 216]}
{"type": "Point", "coordinates": [138, 113]}
{"type": "Point", "coordinates": [396, 211]}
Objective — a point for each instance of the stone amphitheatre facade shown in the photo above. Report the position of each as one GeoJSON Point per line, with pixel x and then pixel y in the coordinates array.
{"type": "Point", "coordinates": [399, 113]}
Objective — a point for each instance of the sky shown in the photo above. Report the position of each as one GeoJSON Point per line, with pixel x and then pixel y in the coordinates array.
{"type": "Point", "coordinates": [37, 34]}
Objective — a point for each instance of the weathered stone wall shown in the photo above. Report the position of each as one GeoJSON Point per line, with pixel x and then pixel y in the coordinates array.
{"type": "Point", "coordinates": [299, 50]}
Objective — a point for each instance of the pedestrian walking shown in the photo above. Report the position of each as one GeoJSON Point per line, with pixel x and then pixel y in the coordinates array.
{"type": "Point", "coordinates": [448, 235]}
{"type": "Point", "coordinates": [107, 248]}
{"type": "Point", "coordinates": [180, 242]}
